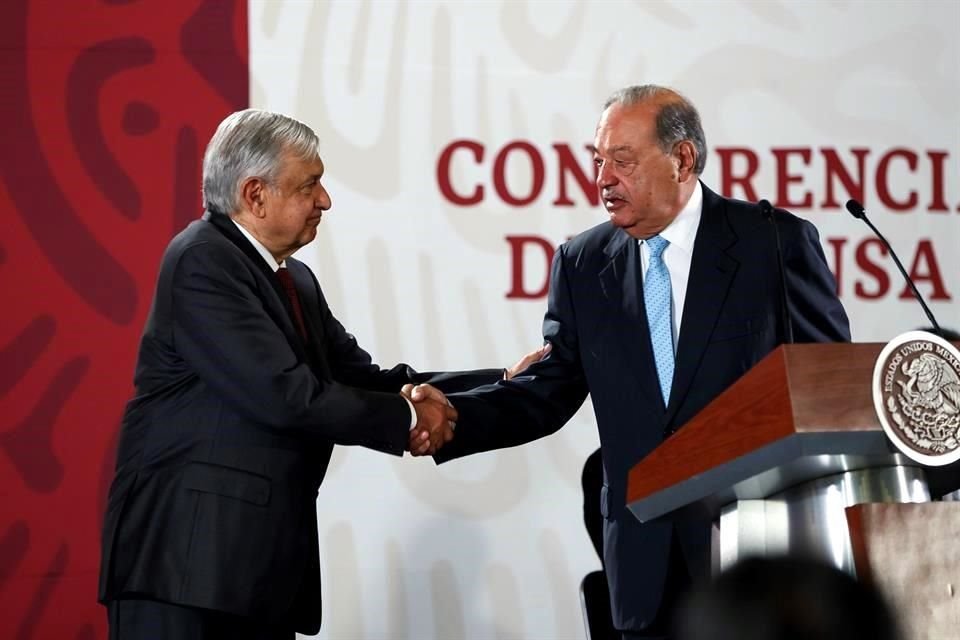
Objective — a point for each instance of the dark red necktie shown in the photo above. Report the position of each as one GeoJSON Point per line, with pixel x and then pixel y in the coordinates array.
{"type": "Point", "coordinates": [291, 290]}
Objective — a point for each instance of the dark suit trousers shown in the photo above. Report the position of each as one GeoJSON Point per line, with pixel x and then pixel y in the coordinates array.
{"type": "Point", "coordinates": [152, 620]}
{"type": "Point", "coordinates": [677, 583]}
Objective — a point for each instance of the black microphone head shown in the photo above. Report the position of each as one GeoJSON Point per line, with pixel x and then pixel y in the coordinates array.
{"type": "Point", "coordinates": [766, 208]}
{"type": "Point", "coordinates": [855, 208]}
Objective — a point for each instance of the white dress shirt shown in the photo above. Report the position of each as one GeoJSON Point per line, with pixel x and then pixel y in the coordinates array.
{"type": "Point", "coordinates": [262, 250]}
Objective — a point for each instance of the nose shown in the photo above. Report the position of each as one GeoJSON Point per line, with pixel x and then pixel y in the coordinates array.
{"type": "Point", "coordinates": [605, 176]}
{"type": "Point", "coordinates": [323, 201]}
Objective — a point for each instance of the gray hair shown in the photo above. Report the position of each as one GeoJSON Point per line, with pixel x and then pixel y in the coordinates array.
{"type": "Point", "coordinates": [247, 144]}
{"type": "Point", "coordinates": [677, 119]}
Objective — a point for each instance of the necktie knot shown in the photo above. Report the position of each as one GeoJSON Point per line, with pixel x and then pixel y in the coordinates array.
{"type": "Point", "coordinates": [657, 245]}
{"type": "Point", "coordinates": [286, 279]}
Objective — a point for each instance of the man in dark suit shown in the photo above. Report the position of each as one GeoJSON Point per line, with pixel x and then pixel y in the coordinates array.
{"type": "Point", "coordinates": [654, 313]}
{"type": "Point", "coordinates": [244, 382]}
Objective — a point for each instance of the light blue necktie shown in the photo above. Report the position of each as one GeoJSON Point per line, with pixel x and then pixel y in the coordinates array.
{"type": "Point", "coordinates": [657, 299]}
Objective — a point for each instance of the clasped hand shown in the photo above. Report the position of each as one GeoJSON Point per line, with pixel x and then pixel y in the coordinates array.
{"type": "Point", "coordinates": [436, 419]}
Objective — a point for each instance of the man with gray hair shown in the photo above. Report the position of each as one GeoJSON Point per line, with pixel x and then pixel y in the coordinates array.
{"type": "Point", "coordinates": [654, 313]}
{"type": "Point", "coordinates": [244, 383]}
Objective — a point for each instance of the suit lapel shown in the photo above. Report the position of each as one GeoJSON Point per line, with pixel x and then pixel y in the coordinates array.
{"type": "Point", "coordinates": [278, 306]}
{"type": "Point", "coordinates": [711, 272]}
{"type": "Point", "coordinates": [310, 306]}
{"type": "Point", "coordinates": [622, 284]}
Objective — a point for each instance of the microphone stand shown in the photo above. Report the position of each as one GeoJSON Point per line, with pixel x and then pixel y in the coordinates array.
{"type": "Point", "coordinates": [857, 211]}
{"type": "Point", "coordinates": [786, 323]}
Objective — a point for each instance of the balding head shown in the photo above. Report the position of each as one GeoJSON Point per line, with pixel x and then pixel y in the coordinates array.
{"type": "Point", "coordinates": [677, 118]}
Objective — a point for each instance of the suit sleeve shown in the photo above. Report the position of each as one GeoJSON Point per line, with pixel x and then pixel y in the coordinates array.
{"type": "Point", "coordinates": [353, 366]}
{"type": "Point", "coordinates": [535, 403]}
{"type": "Point", "coordinates": [815, 310]}
{"type": "Point", "coordinates": [224, 333]}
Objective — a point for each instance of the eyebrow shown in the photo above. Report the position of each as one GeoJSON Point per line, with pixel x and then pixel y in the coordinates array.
{"type": "Point", "coordinates": [616, 149]}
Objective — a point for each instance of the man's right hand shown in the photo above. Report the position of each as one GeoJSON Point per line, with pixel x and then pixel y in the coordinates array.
{"type": "Point", "coordinates": [436, 419]}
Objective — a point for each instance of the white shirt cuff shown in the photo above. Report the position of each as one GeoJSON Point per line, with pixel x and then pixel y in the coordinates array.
{"type": "Point", "coordinates": [413, 413]}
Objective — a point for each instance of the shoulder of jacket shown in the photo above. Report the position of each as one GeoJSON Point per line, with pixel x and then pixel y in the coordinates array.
{"type": "Point", "coordinates": [595, 237]}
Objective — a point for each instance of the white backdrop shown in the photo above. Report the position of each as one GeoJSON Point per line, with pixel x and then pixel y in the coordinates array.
{"type": "Point", "coordinates": [494, 546]}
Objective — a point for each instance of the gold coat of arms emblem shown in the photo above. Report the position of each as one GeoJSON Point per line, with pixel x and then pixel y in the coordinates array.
{"type": "Point", "coordinates": [916, 394]}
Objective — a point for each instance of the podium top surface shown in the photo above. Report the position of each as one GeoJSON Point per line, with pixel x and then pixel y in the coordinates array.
{"type": "Point", "coordinates": [804, 411]}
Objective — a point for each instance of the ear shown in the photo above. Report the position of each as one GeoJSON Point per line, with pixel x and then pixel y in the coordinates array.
{"type": "Point", "coordinates": [253, 195]}
{"type": "Point", "coordinates": [685, 154]}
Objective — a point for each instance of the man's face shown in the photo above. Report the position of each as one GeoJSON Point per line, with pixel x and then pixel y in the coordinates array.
{"type": "Point", "coordinates": [293, 204]}
{"type": "Point", "coordinates": [639, 184]}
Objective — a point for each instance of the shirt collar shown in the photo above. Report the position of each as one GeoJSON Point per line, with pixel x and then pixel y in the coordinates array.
{"type": "Point", "coordinates": [682, 231]}
{"type": "Point", "coordinates": [262, 250]}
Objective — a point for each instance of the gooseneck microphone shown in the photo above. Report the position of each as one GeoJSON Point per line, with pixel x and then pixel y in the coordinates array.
{"type": "Point", "coordinates": [786, 324]}
{"type": "Point", "coordinates": [857, 211]}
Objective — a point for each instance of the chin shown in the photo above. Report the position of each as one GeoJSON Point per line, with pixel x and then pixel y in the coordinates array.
{"type": "Point", "coordinates": [621, 221]}
{"type": "Point", "coordinates": [631, 227]}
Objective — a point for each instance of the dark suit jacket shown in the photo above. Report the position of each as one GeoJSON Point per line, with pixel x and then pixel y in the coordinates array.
{"type": "Point", "coordinates": [596, 322]}
{"type": "Point", "coordinates": [229, 434]}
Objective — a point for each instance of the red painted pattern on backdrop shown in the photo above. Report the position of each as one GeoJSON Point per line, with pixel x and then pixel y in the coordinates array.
{"type": "Point", "coordinates": [106, 105]}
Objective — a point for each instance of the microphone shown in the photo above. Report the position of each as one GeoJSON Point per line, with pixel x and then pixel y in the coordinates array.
{"type": "Point", "coordinates": [857, 211]}
{"type": "Point", "coordinates": [786, 324]}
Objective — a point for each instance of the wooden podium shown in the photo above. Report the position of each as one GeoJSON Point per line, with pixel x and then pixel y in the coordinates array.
{"type": "Point", "coordinates": [777, 457]}
{"type": "Point", "coordinates": [792, 459]}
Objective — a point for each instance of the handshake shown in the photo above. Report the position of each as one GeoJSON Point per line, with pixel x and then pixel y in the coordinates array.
{"type": "Point", "coordinates": [437, 418]}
